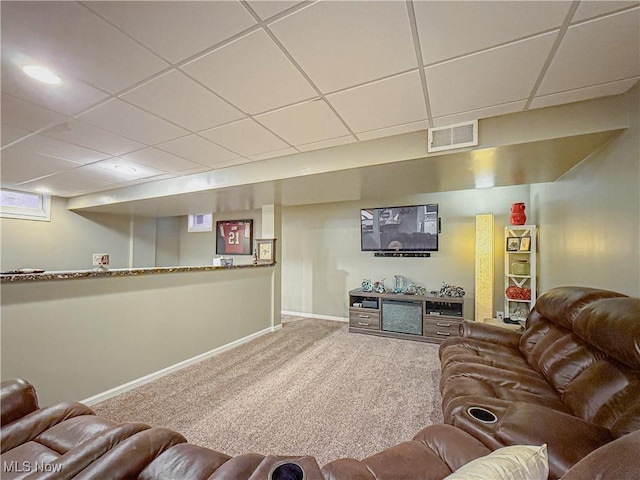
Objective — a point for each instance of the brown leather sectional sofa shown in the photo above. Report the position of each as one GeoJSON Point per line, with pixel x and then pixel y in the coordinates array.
{"type": "Point", "coordinates": [583, 344]}
{"type": "Point", "coordinates": [571, 380]}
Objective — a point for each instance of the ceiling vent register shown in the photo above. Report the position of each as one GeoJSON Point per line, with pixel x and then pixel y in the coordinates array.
{"type": "Point", "coordinates": [452, 137]}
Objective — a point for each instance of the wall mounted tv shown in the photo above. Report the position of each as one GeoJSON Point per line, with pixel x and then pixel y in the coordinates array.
{"type": "Point", "coordinates": [413, 228]}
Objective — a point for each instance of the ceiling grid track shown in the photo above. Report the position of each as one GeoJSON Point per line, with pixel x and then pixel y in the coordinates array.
{"type": "Point", "coordinates": [554, 49]}
{"type": "Point", "coordinates": [418, 49]}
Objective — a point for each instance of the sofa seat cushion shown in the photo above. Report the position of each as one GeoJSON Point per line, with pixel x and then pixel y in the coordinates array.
{"type": "Point", "coordinates": [474, 380]}
{"type": "Point", "coordinates": [482, 352]}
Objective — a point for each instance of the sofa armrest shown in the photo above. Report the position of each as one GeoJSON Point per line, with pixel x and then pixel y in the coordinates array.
{"type": "Point", "coordinates": [17, 399]}
{"type": "Point", "coordinates": [434, 453]}
{"type": "Point", "coordinates": [490, 333]}
{"type": "Point", "coordinates": [568, 438]}
{"type": "Point", "coordinates": [614, 461]}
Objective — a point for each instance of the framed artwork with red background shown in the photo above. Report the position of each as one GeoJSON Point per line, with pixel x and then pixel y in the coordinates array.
{"type": "Point", "coordinates": [234, 237]}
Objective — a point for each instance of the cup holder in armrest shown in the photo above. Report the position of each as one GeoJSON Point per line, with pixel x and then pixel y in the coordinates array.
{"type": "Point", "coordinates": [287, 471]}
{"type": "Point", "coordinates": [482, 415]}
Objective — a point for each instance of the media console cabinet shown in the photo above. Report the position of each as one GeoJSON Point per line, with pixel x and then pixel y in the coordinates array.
{"type": "Point", "coordinates": [412, 317]}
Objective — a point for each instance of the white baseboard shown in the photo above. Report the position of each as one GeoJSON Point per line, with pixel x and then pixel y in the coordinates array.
{"type": "Point", "coordinates": [173, 368]}
{"type": "Point", "coordinates": [315, 315]}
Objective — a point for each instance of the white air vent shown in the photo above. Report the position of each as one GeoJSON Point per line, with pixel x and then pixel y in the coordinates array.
{"type": "Point", "coordinates": [453, 136]}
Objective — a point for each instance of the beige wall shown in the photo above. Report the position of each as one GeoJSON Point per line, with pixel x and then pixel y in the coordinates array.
{"type": "Point", "coordinates": [77, 338]}
{"type": "Point", "coordinates": [199, 248]}
{"type": "Point", "coordinates": [322, 258]}
{"type": "Point", "coordinates": [69, 239]}
{"type": "Point", "coordinates": [590, 219]}
{"type": "Point", "coordinates": [589, 233]}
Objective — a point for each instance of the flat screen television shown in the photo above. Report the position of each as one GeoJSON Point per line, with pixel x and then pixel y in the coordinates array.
{"type": "Point", "coordinates": [411, 228]}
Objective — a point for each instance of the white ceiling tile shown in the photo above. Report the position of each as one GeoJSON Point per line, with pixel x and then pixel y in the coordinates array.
{"type": "Point", "coordinates": [304, 123]}
{"type": "Point", "coordinates": [381, 104]}
{"type": "Point", "coordinates": [274, 154]}
{"type": "Point", "coordinates": [269, 8]}
{"type": "Point", "coordinates": [396, 130]}
{"type": "Point", "coordinates": [69, 98]}
{"type": "Point", "coordinates": [119, 117]}
{"type": "Point", "coordinates": [341, 44]}
{"type": "Point", "coordinates": [162, 160]}
{"type": "Point", "coordinates": [89, 136]}
{"type": "Point", "coordinates": [194, 170]}
{"type": "Point", "coordinates": [198, 150]}
{"type": "Point", "coordinates": [252, 73]}
{"type": "Point", "coordinates": [11, 134]}
{"type": "Point", "coordinates": [450, 29]}
{"type": "Point", "coordinates": [592, 9]}
{"type": "Point", "coordinates": [140, 181]}
{"type": "Point", "coordinates": [55, 148]}
{"type": "Point", "coordinates": [334, 142]}
{"type": "Point", "coordinates": [580, 94]}
{"type": "Point", "coordinates": [492, 111]}
{"type": "Point", "coordinates": [123, 169]}
{"type": "Point", "coordinates": [21, 166]}
{"type": "Point", "coordinates": [177, 30]}
{"type": "Point", "coordinates": [231, 163]}
{"type": "Point", "coordinates": [493, 77]}
{"type": "Point", "coordinates": [76, 43]}
{"type": "Point", "coordinates": [599, 51]}
{"type": "Point", "coordinates": [246, 137]}
{"type": "Point", "coordinates": [27, 116]}
{"type": "Point", "coordinates": [178, 98]}
{"type": "Point", "coordinates": [67, 184]}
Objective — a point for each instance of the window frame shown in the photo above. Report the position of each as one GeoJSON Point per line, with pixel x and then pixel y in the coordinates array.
{"type": "Point", "coordinates": [42, 213]}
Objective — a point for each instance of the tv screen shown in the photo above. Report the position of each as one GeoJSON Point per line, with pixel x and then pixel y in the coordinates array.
{"type": "Point", "coordinates": [399, 229]}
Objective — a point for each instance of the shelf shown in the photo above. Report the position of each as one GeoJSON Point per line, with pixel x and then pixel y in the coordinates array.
{"type": "Point", "coordinates": [513, 237]}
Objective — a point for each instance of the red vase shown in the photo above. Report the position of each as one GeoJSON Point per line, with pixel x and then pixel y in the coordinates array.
{"type": "Point", "coordinates": [517, 214]}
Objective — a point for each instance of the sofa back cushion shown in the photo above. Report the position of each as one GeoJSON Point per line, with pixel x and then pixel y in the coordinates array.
{"type": "Point", "coordinates": [586, 343]}
{"type": "Point", "coordinates": [562, 305]}
{"type": "Point", "coordinates": [613, 326]}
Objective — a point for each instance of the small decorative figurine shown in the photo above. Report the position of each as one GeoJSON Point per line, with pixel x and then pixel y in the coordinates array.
{"type": "Point", "coordinates": [366, 285]}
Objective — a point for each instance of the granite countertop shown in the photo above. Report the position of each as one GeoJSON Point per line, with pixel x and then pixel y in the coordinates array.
{"type": "Point", "coordinates": [39, 275]}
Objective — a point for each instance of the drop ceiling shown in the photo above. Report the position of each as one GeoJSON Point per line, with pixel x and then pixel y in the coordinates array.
{"type": "Point", "coordinates": [161, 92]}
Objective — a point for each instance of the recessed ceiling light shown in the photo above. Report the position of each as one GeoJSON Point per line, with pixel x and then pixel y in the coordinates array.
{"type": "Point", "coordinates": [42, 74]}
{"type": "Point", "coordinates": [125, 168]}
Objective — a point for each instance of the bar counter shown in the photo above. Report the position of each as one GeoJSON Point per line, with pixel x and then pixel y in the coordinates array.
{"type": "Point", "coordinates": [115, 272]}
{"type": "Point", "coordinates": [83, 339]}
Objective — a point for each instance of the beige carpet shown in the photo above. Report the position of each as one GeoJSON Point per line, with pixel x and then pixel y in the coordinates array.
{"type": "Point", "coordinates": [310, 388]}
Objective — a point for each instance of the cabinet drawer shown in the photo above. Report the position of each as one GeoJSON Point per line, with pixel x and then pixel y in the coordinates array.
{"type": "Point", "coordinates": [441, 327]}
{"type": "Point", "coordinates": [364, 319]}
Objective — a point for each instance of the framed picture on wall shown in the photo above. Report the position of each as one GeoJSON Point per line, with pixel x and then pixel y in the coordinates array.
{"type": "Point", "coordinates": [234, 237]}
{"type": "Point", "coordinates": [266, 250]}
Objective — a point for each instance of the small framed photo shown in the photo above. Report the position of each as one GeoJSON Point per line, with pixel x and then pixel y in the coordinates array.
{"type": "Point", "coordinates": [234, 237]}
{"type": "Point", "coordinates": [525, 244]}
{"type": "Point", "coordinates": [513, 244]}
{"type": "Point", "coordinates": [266, 250]}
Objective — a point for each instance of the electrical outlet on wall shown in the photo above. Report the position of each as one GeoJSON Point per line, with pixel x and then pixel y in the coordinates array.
{"type": "Point", "coordinates": [500, 315]}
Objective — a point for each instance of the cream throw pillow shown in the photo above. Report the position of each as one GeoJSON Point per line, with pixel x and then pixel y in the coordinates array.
{"type": "Point", "coordinates": [526, 462]}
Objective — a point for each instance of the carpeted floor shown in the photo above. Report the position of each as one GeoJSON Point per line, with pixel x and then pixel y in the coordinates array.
{"type": "Point", "coordinates": [310, 388]}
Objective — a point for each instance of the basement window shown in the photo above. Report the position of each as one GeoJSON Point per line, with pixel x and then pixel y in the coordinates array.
{"type": "Point", "coordinates": [200, 222]}
{"type": "Point", "coordinates": [25, 205]}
